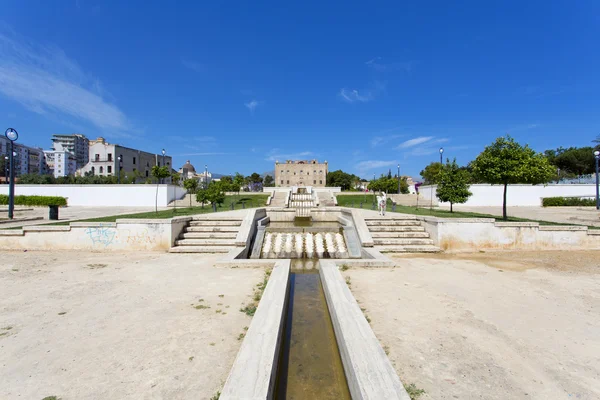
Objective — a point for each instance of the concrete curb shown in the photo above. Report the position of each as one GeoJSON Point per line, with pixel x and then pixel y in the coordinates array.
{"type": "Point", "coordinates": [369, 372]}
{"type": "Point", "coordinates": [253, 374]}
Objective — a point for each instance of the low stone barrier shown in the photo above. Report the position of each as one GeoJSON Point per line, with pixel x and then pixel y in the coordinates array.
{"type": "Point", "coordinates": [254, 370]}
{"type": "Point", "coordinates": [122, 235]}
{"type": "Point", "coordinates": [469, 234]}
{"type": "Point", "coordinates": [369, 372]}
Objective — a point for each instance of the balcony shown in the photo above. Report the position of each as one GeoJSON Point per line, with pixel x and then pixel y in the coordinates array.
{"type": "Point", "coordinates": [103, 160]}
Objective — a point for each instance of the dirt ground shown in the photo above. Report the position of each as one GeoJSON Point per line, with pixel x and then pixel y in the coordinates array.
{"type": "Point", "coordinates": [118, 326]}
{"type": "Point", "coordinates": [510, 325]}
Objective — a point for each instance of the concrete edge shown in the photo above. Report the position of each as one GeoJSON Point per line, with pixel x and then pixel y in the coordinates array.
{"type": "Point", "coordinates": [26, 219]}
{"type": "Point", "coordinates": [593, 232]}
{"type": "Point", "coordinates": [516, 224]}
{"type": "Point", "coordinates": [93, 224]}
{"type": "Point", "coordinates": [369, 372]}
{"type": "Point", "coordinates": [12, 232]}
{"type": "Point", "coordinates": [162, 221]}
{"type": "Point", "coordinates": [248, 227]}
{"type": "Point", "coordinates": [364, 235]}
{"type": "Point", "coordinates": [47, 228]}
{"type": "Point", "coordinates": [254, 371]}
{"type": "Point", "coordinates": [563, 228]}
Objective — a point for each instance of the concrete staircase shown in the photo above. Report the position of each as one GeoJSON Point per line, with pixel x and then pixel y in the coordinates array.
{"type": "Point", "coordinates": [400, 234]}
{"type": "Point", "coordinates": [208, 235]}
{"type": "Point", "coordinates": [278, 199]}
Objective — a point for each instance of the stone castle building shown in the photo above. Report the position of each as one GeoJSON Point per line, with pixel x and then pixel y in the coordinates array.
{"type": "Point", "coordinates": [301, 173]}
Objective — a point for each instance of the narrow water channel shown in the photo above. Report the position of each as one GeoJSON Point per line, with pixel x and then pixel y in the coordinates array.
{"type": "Point", "coordinates": [310, 366]}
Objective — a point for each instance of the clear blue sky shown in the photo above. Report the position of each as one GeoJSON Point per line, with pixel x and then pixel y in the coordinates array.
{"type": "Point", "coordinates": [363, 85]}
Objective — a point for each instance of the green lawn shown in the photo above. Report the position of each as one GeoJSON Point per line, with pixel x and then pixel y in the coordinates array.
{"type": "Point", "coordinates": [238, 201]}
{"type": "Point", "coordinates": [354, 201]}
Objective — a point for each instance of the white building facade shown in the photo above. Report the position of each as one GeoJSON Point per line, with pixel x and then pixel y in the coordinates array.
{"type": "Point", "coordinates": [28, 160]}
{"type": "Point", "coordinates": [103, 160]}
{"type": "Point", "coordinates": [76, 144]}
{"type": "Point", "coordinates": [60, 163]}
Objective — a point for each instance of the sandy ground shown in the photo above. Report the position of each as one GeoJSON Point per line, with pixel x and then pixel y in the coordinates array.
{"type": "Point", "coordinates": [522, 325]}
{"type": "Point", "coordinates": [118, 326]}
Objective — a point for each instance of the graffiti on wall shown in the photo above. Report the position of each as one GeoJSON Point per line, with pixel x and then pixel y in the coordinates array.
{"type": "Point", "coordinates": [103, 236]}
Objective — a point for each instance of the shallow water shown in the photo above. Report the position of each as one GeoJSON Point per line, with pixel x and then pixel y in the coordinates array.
{"type": "Point", "coordinates": [310, 366]}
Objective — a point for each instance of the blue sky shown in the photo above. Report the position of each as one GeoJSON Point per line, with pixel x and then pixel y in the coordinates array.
{"type": "Point", "coordinates": [363, 85]}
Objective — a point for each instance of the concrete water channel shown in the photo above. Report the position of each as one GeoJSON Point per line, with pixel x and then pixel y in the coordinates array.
{"type": "Point", "coordinates": [309, 338]}
{"type": "Point", "coordinates": [310, 366]}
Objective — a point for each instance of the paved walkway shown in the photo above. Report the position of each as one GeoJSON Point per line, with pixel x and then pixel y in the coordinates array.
{"type": "Point", "coordinates": [567, 215]}
{"type": "Point", "coordinates": [70, 213]}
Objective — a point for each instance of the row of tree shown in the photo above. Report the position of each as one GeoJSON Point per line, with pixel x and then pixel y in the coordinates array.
{"type": "Point", "coordinates": [504, 162]}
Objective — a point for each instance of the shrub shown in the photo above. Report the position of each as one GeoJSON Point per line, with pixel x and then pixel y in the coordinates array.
{"type": "Point", "coordinates": [567, 202]}
{"type": "Point", "coordinates": [35, 200]}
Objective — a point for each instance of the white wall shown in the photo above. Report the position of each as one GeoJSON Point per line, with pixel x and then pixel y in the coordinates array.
{"type": "Point", "coordinates": [516, 195]}
{"type": "Point", "coordinates": [104, 195]}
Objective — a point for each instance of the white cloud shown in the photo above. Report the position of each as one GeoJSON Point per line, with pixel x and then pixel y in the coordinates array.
{"type": "Point", "coordinates": [414, 142]}
{"type": "Point", "coordinates": [278, 155]}
{"type": "Point", "coordinates": [365, 166]}
{"type": "Point", "coordinates": [379, 140]}
{"type": "Point", "coordinates": [353, 95]}
{"type": "Point", "coordinates": [251, 105]}
{"type": "Point", "coordinates": [377, 65]}
{"type": "Point", "coordinates": [194, 66]}
{"type": "Point", "coordinates": [44, 80]}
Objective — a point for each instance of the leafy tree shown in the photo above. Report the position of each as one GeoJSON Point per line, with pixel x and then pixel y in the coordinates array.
{"type": "Point", "coordinates": [202, 196]}
{"type": "Point", "coordinates": [191, 185]}
{"type": "Point", "coordinates": [159, 173]}
{"type": "Point", "coordinates": [238, 180]}
{"type": "Point", "coordinates": [388, 185]}
{"type": "Point", "coordinates": [507, 162]}
{"type": "Point", "coordinates": [269, 181]}
{"type": "Point", "coordinates": [454, 184]}
{"type": "Point", "coordinates": [431, 173]}
{"type": "Point", "coordinates": [341, 179]}
{"type": "Point", "coordinates": [389, 174]}
{"type": "Point", "coordinates": [215, 193]}
{"type": "Point", "coordinates": [574, 160]}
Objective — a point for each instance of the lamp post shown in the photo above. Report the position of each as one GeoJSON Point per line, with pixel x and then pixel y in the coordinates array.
{"type": "Point", "coordinates": [205, 176]}
{"type": "Point", "coordinates": [12, 135]}
{"type": "Point", "coordinates": [596, 157]}
{"type": "Point", "coordinates": [120, 158]}
{"type": "Point", "coordinates": [441, 153]}
{"type": "Point", "coordinates": [398, 178]}
{"type": "Point", "coordinates": [162, 180]}
{"type": "Point", "coordinates": [6, 169]}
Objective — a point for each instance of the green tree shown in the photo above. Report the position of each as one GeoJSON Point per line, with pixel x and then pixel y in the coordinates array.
{"type": "Point", "coordinates": [238, 181]}
{"type": "Point", "coordinates": [191, 185]}
{"type": "Point", "coordinates": [216, 194]}
{"type": "Point", "coordinates": [341, 179]}
{"type": "Point", "coordinates": [454, 184]}
{"type": "Point", "coordinates": [159, 173]}
{"type": "Point", "coordinates": [431, 173]}
{"type": "Point", "coordinates": [388, 185]}
{"type": "Point", "coordinates": [269, 181]}
{"type": "Point", "coordinates": [202, 196]}
{"type": "Point", "coordinates": [507, 162]}
{"type": "Point", "coordinates": [574, 160]}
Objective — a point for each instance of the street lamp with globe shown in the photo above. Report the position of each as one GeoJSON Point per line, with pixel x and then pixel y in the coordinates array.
{"type": "Point", "coordinates": [596, 158]}
{"type": "Point", "coordinates": [12, 135]}
{"type": "Point", "coordinates": [441, 154]}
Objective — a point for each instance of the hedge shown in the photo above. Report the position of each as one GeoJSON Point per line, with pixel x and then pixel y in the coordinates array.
{"type": "Point", "coordinates": [567, 202]}
{"type": "Point", "coordinates": [35, 200]}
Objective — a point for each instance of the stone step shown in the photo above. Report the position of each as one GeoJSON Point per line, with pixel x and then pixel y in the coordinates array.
{"type": "Point", "coordinates": [409, 249]}
{"type": "Point", "coordinates": [401, 242]}
{"type": "Point", "coordinates": [205, 242]}
{"type": "Point", "coordinates": [396, 229]}
{"type": "Point", "coordinates": [223, 229]}
{"type": "Point", "coordinates": [394, 218]}
{"type": "Point", "coordinates": [209, 235]}
{"type": "Point", "coordinates": [199, 249]}
{"type": "Point", "coordinates": [215, 223]}
{"type": "Point", "coordinates": [394, 234]}
{"type": "Point", "coordinates": [380, 222]}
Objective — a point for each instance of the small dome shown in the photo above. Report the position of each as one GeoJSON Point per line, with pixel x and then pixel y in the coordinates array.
{"type": "Point", "coordinates": [188, 166]}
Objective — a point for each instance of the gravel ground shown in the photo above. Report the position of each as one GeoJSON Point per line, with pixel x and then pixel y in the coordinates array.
{"type": "Point", "coordinates": [503, 325]}
{"type": "Point", "coordinates": [118, 326]}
